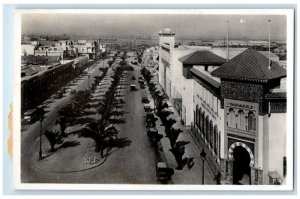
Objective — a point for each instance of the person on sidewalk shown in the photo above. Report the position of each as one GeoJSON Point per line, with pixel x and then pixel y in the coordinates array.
{"type": "Point", "coordinates": [218, 178]}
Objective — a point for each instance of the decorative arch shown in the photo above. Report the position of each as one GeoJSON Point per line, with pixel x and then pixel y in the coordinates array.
{"type": "Point", "coordinates": [231, 118]}
{"type": "Point", "coordinates": [231, 148]}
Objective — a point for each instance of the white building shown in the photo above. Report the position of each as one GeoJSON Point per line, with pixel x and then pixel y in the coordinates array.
{"type": "Point", "coordinates": [237, 108]}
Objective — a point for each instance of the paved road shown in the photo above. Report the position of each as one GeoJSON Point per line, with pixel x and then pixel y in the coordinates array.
{"type": "Point", "coordinates": [30, 133]}
{"type": "Point", "coordinates": [134, 164]}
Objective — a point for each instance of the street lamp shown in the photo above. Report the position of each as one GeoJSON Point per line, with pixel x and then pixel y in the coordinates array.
{"type": "Point", "coordinates": [269, 21]}
{"type": "Point", "coordinates": [89, 82]}
{"type": "Point", "coordinates": [41, 116]}
{"type": "Point", "coordinates": [227, 50]}
{"type": "Point", "coordinates": [203, 157]}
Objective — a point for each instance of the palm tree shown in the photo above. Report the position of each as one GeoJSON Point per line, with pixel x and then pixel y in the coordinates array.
{"type": "Point", "coordinates": [62, 121]}
{"type": "Point", "coordinates": [53, 138]}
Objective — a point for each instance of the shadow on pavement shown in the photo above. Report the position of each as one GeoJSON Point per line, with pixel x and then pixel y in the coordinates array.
{"type": "Point", "coordinates": [68, 144]}
{"type": "Point", "coordinates": [120, 143]}
{"type": "Point", "coordinates": [117, 121]}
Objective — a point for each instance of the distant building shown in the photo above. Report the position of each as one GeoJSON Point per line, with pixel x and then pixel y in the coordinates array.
{"type": "Point", "coordinates": [28, 49]}
{"type": "Point", "coordinates": [89, 48]}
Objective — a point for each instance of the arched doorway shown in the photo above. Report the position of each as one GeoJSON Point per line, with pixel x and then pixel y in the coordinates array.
{"type": "Point", "coordinates": [241, 166]}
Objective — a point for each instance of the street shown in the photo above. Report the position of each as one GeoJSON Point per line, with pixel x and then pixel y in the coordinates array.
{"type": "Point", "coordinates": [133, 164]}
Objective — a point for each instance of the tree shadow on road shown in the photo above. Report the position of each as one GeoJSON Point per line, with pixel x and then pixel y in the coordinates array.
{"type": "Point", "coordinates": [68, 144]}
{"type": "Point", "coordinates": [117, 121]}
{"type": "Point", "coordinates": [84, 120]}
{"type": "Point", "coordinates": [65, 145]}
{"type": "Point", "coordinates": [118, 143]}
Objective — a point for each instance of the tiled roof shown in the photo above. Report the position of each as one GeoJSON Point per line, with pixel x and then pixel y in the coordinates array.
{"type": "Point", "coordinates": [201, 58]}
{"type": "Point", "coordinates": [276, 95]}
{"type": "Point", "coordinates": [250, 65]}
{"type": "Point", "coordinates": [208, 79]}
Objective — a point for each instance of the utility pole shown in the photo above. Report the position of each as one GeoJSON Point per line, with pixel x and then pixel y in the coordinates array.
{"type": "Point", "coordinates": [227, 50]}
{"type": "Point", "coordinates": [269, 67]}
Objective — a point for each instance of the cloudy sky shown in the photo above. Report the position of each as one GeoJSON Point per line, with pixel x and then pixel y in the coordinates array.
{"type": "Point", "coordinates": [186, 26]}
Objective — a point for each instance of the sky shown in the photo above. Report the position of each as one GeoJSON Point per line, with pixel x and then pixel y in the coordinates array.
{"type": "Point", "coordinates": [187, 26]}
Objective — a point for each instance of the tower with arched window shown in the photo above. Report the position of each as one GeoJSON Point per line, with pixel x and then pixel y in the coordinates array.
{"type": "Point", "coordinates": [254, 105]}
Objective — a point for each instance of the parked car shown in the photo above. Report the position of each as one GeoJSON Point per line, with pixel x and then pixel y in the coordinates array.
{"type": "Point", "coordinates": [147, 108]}
{"type": "Point", "coordinates": [29, 116]}
{"type": "Point", "coordinates": [151, 132]}
{"type": "Point", "coordinates": [150, 117]}
{"type": "Point", "coordinates": [145, 99]}
{"type": "Point", "coordinates": [150, 124]}
{"type": "Point", "coordinates": [142, 86]}
{"type": "Point", "coordinates": [141, 79]}
{"type": "Point", "coordinates": [133, 87]}
{"type": "Point", "coordinates": [163, 172]}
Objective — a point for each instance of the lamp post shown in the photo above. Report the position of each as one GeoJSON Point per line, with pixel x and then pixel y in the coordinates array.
{"type": "Point", "coordinates": [269, 66]}
{"type": "Point", "coordinates": [41, 116]}
{"type": "Point", "coordinates": [41, 134]}
{"type": "Point", "coordinates": [89, 82]}
{"type": "Point", "coordinates": [203, 157]}
{"type": "Point", "coordinates": [227, 50]}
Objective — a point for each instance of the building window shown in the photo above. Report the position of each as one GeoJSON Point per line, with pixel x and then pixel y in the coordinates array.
{"type": "Point", "coordinates": [203, 123]}
{"type": "Point", "coordinates": [251, 121]}
{"type": "Point", "coordinates": [241, 122]}
{"type": "Point", "coordinates": [207, 129]}
{"type": "Point", "coordinates": [215, 139]}
{"type": "Point", "coordinates": [211, 134]}
{"type": "Point", "coordinates": [199, 118]}
{"type": "Point", "coordinates": [231, 119]}
{"type": "Point", "coordinates": [204, 126]}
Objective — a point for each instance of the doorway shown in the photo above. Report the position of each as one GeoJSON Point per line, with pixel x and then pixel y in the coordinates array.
{"type": "Point", "coordinates": [241, 168]}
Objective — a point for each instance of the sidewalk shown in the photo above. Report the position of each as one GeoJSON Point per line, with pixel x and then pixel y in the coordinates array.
{"type": "Point", "coordinates": [184, 176]}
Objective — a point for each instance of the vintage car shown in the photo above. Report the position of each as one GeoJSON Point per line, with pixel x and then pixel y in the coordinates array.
{"type": "Point", "coordinates": [147, 108]}
{"type": "Point", "coordinates": [163, 172]}
{"type": "Point", "coordinates": [150, 124]}
{"type": "Point", "coordinates": [30, 116]}
{"type": "Point", "coordinates": [151, 132]}
{"type": "Point", "coordinates": [132, 87]}
{"type": "Point", "coordinates": [145, 99]}
{"type": "Point", "coordinates": [141, 80]}
{"type": "Point", "coordinates": [150, 117]}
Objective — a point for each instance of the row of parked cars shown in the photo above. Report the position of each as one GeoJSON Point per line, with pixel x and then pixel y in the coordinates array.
{"type": "Point", "coordinates": [163, 172]}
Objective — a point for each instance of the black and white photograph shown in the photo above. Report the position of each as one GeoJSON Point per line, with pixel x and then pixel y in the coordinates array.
{"type": "Point", "coordinates": [154, 99]}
